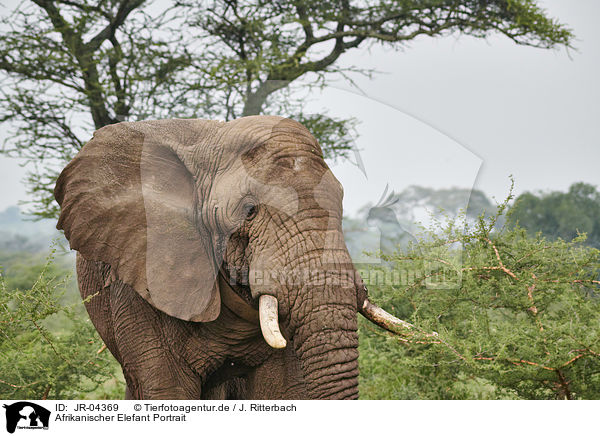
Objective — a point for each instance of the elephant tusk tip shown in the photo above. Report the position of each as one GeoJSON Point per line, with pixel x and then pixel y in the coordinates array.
{"type": "Point", "coordinates": [383, 319]}
{"type": "Point", "coordinates": [278, 344]}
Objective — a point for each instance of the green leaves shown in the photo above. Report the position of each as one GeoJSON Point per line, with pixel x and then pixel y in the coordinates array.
{"type": "Point", "coordinates": [524, 319]}
{"type": "Point", "coordinates": [48, 348]}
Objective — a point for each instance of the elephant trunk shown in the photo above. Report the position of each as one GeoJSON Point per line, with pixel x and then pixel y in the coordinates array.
{"type": "Point", "coordinates": [316, 292]}
{"type": "Point", "coordinates": [326, 341]}
{"type": "Point", "coordinates": [329, 359]}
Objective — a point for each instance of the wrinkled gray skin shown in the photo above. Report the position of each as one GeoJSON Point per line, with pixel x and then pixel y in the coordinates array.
{"type": "Point", "coordinates": [156, 208]}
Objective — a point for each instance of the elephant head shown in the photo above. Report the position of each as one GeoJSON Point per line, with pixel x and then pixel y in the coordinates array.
{"type": "Point", "coordinates": [170, 204]}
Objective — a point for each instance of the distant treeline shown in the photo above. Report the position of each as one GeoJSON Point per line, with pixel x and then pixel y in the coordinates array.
{"type": "Point", "coordinates": [399, 218]}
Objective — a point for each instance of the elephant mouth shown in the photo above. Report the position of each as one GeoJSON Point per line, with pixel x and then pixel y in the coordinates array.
{"type": "Point", "coordinates": [237, 298]}
{"type": "Point", "coordinates": [242, 290]}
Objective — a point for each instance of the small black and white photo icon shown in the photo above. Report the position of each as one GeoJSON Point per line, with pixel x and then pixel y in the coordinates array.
{"type": "Point", "coordinates": [26, 415]}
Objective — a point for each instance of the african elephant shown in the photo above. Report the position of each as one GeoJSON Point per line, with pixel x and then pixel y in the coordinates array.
{"type": "Point", "coordinates": [214, 256]}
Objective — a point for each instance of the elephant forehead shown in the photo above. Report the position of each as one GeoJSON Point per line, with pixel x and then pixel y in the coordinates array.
{"type": "Point", "coordinates": [283, 163]}
{"type": "Point", "coordinates": [285, 160]}
{"type": "Point", "coordinates": [296, 166]}
{"type": "Point", "coordinates": [255, 130]}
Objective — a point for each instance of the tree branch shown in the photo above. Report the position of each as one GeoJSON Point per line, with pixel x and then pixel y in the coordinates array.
{"type": "Point", "coordinates": [125, 8]}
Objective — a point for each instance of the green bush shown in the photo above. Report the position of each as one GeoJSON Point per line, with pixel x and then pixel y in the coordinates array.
{"type": "Point", "coordinates": [495, 313]}
{"type": "Point", "coordinates": [48, 346]}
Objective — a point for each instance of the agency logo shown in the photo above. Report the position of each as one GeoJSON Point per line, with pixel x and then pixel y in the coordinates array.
{"type": "Point", "coordinates": [26, 415]}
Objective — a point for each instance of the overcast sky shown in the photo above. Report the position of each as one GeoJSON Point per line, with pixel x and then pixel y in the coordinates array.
{"type": "Point", "coordinates": [462, 112]}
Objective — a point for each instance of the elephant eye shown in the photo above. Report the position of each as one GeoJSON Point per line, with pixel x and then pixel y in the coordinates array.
{"type": "Point", "coordinates": [250, 210]}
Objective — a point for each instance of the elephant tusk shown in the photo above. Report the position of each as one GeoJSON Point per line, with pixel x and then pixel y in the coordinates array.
{"type": "Point", "coordinates": [269, 321]}
{"type": "Point", "coordinates": [383, 319]}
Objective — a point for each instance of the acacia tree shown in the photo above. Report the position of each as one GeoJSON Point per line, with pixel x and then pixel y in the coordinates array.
{"type": "Point", "coordinates": [70, 66]}
{"type": "Point", "coordinates": [48, 347]}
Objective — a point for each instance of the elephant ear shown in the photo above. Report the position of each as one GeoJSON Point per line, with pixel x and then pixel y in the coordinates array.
{"type": "Point", "coordinates": [128, 199]}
